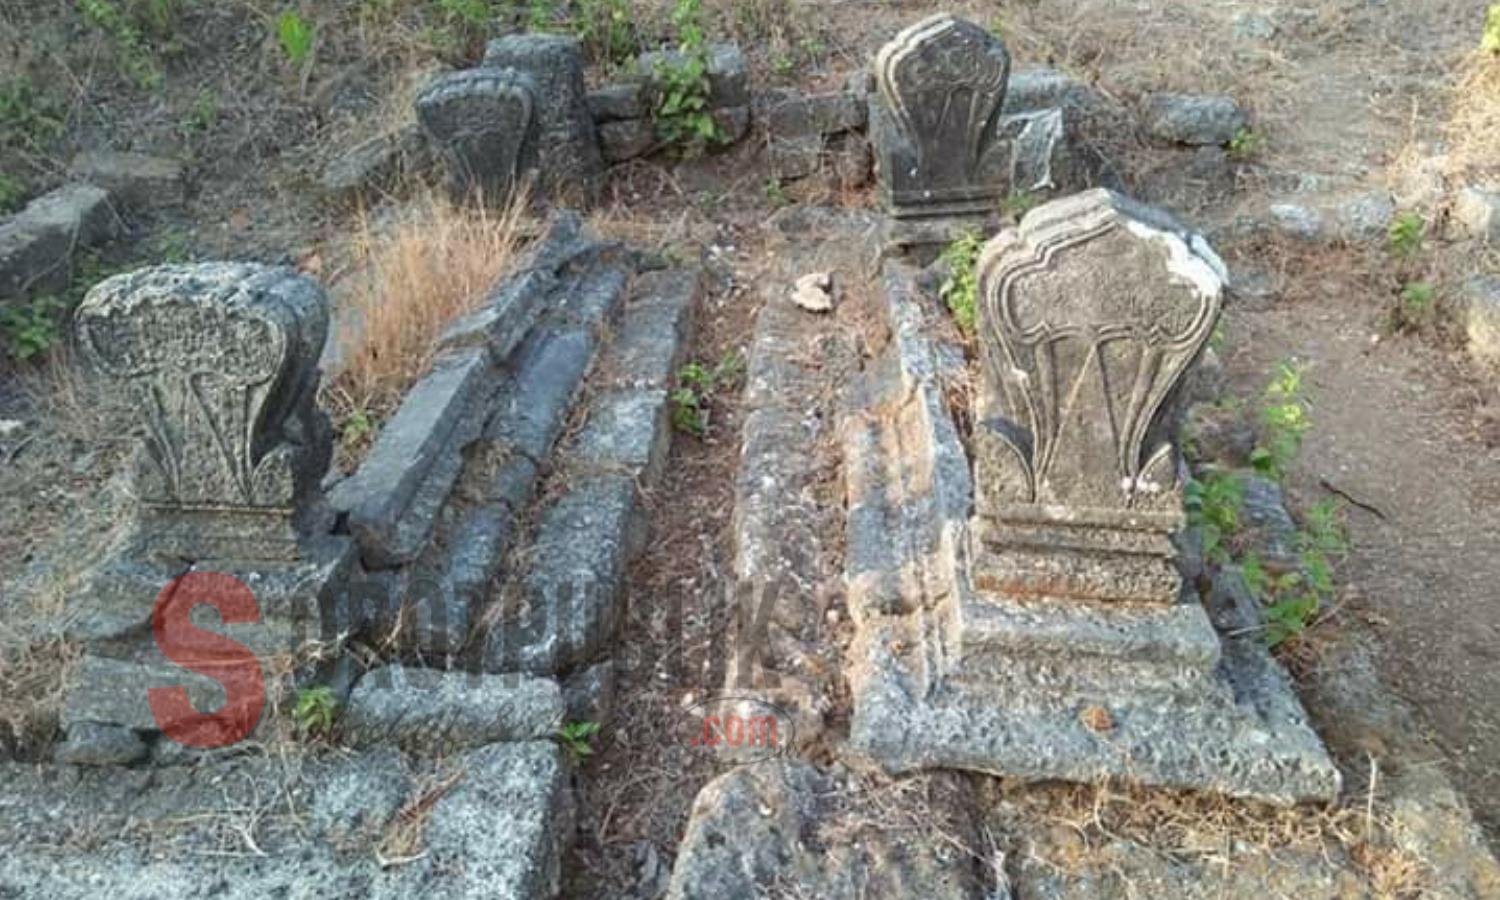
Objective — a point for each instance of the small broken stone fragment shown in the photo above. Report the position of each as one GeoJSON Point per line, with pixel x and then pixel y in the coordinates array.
{"type": "Point", "coordinates": [1097, 719]}
{"type": "Point", "coordinates": [814, 292]}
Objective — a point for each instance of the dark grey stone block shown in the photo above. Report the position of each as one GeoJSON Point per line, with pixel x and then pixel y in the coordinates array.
{"type": "Point", "coordinates": [583, 542]}
{"type": "Point", "coordinates": [627, 431]}
{"type": "Point", "coordinates": [96, 744]}
{"type": "Point", "coordinates": [440, 711]}
{"type": "Point", "coordinates": [485, 124]}
{"type": "Point", "coordinates": [654, 328]}
{"type": "Point", "coordinates": [133, 179]}
{"type": "Point", "coordinates": [566, 153]}
{"type": "Point", "coordinates": [1192, 119]}
{"type": "Point", "coordinates": [394, 497]}
{"type": "Point", "coordinates": [533, 401]}
{"type": "Point", "coordinates": [37, 243]}
{"type": "Point", "coordinates": [626, 139]}
{"type": "Point", "coordinates": [816, 115]}
{"type": "Point", "coordinates": [618, 102]}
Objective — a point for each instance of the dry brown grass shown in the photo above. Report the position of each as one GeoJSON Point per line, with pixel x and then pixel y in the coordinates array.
{"type": "Point", "coordinates": [416, 275]}
{"type": "Point", "coordinates": [1474, 126]}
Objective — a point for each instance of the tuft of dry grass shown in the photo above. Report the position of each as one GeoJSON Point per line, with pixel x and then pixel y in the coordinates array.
{"type": "Point", "coordinates": [416, 275]}
{"type": "Point", "coordinates": [1474, 126]}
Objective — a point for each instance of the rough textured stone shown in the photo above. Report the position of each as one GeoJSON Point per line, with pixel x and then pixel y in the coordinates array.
{"type": "Point", "coordinates": [590, 694]}
{"type": "Point", "coordinates": [1087, 287]}
{"type": "Point", "coordinates": [37, 243]}
{"type": "Point", "coordinates": [626, 139]}
{"type": "Point", "coordinates": [117, 693]}
{"type": "Point", "coordinates": [134, 179]}
{"type": "Point", "coordinates": [627, 431]}
{"type": "Point", "coordinates": [501, 833]}
{"type": "Point", "coordinates": [1034, 686]}
{"type": "Point", "coordinates": [1365, 217]}
{"type": "Point", "coordinates": [357, 801]}
{"type": "Point", "coordinates": [394, 497]}
{"type": "Point", "coordinates": [583, 542]}
{"type": "Point", "coordinates": [941, 83]}
{"type": "Point", "coordinates": [1301, 223]}
{"type": "Point", "coordinates": [221, 360]}
{"type": "Point", "coordinates": [437, 711]}
{"type": "Point", "coordinates": [1476, 214]}
{"type": "Point", "coordinates": [794, 158]}
{"type": "Point", "coordinates": [484, 125]}
{"type": "Point", "coordinates": [1192, 119]}
{"type": "Point", "coordinates": [618, 102]}
{"type": "Point", "coordinates": [816, 114]}
{"type": "Point", "coordinates": [654, 329]}
{"type": "Point", "coordinates": [1253, 26]}
{"type": "Point", "coordinates": [96, 744]}
{"type": "Point", "coordinates": [532, 405]}
{"type": "Point", "coordinates": [1481, 318]}
{"type": "Point", "coordinates": [750, 829]}
{"type": "Point", "coordinates": [566, 151]}
{"type": "Point", "coordinates": [373, 165]}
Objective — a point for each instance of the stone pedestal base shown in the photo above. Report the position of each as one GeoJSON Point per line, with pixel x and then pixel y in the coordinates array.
{"type": "Point", "coordinates": [1038, 687]}
{"type": "Point", "coordinates": [1235, 727]}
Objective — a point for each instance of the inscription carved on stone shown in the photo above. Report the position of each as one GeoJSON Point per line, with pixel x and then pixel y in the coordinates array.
{"type": "Point", "coordinates": [935, 124]}
{"type": "Point", "coordinates": [221, 360]}
{"type": "Point", "coordinates": [1090, 313]}
{"type": "Point", "coordinates": [481, 121]}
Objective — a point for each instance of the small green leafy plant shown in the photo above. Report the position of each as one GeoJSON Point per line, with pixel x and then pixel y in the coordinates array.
{"type": "Point", "coordinates": [776, 193]}
{"type": "Point", "coordinates": [578, 739]}
{"type": "Point", "coordinates": [12, 192]}
{"type": "Point", "coordinates": [683, 112]}
{"type": "Point", "coordinates": [126, 24]}
{"type": "Point", "coordinates": [315, 710]}
{"type": "Point", "coordinates": [1490, 42]}
{"type": "Point", "coordinates": [1405, 235]}
{"type": "Point", "coordinates": [960, 290]}
{"type": "Point", "coordinates": [30, 329]}
{"type": "Point", "coordinates": [1284, 423]}
{"type": "Point", "coordinates": [1213, 506]}
{"type": "Point", "coordinates": [696, 386]}
{"type": "Point", "coordinates": [27, 119]}
{"type": "Point", "coordinates": [1245, 143]}
{"type": "Point", "coordinates": [296, 36]}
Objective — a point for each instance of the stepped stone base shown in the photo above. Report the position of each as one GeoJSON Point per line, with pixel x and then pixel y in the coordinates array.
{"type": "Point", "coordinates": [946, 677]}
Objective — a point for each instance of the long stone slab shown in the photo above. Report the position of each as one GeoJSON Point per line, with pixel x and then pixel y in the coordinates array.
{"type": "Point", "coordinates": [392, 500]}
{"type": "Point", "coordinates": [442, 711]}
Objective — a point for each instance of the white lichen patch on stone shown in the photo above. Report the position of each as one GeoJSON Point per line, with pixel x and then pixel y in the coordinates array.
{"type": "Point", "coordinates": [1194, 263]}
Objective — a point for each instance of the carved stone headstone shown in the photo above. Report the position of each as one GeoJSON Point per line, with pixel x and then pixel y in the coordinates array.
{"type": "Point", "coordinates": [935, 121]}
{"type": "Point", "coordinates": [1090, 314]}
{"type": "Point", "coordinates": [1029, 618]}
{"type": "Point", "coordinates": [481, 122]}
{"type": "Point", "coordinates": [565, 154]}
{"type": "Point", "coordinates": [221, 360]}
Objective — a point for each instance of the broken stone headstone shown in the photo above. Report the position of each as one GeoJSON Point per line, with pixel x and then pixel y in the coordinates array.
{"type": "Point", "coordinates": [1091, 313]}
{"type": "Point", "coordinates": [481, 122]}
{"type": "Point", "coordinates": [565, 153]}
{"type": "Point", "coordinates": [221, 360]}
{"type": "Point", "coordinates": [935, 120]}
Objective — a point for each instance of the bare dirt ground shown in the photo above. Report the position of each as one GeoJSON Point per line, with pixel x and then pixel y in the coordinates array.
{"type": "Point", "coordinates": [1403, 428]}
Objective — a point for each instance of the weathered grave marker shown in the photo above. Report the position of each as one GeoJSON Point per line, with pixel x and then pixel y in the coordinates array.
{"type": "Point", "coordinates": [935, 124]}
{"type": "Point", "coordinates": [221, 360]}
{"type": "Point", "coordinates": [1050, 632]}
{"type": "Point", "coordinates": [481, 121]}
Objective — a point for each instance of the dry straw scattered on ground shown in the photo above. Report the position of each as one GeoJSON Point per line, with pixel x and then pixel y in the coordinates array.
{"type": "Point", "coordinates": [415, 274]}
